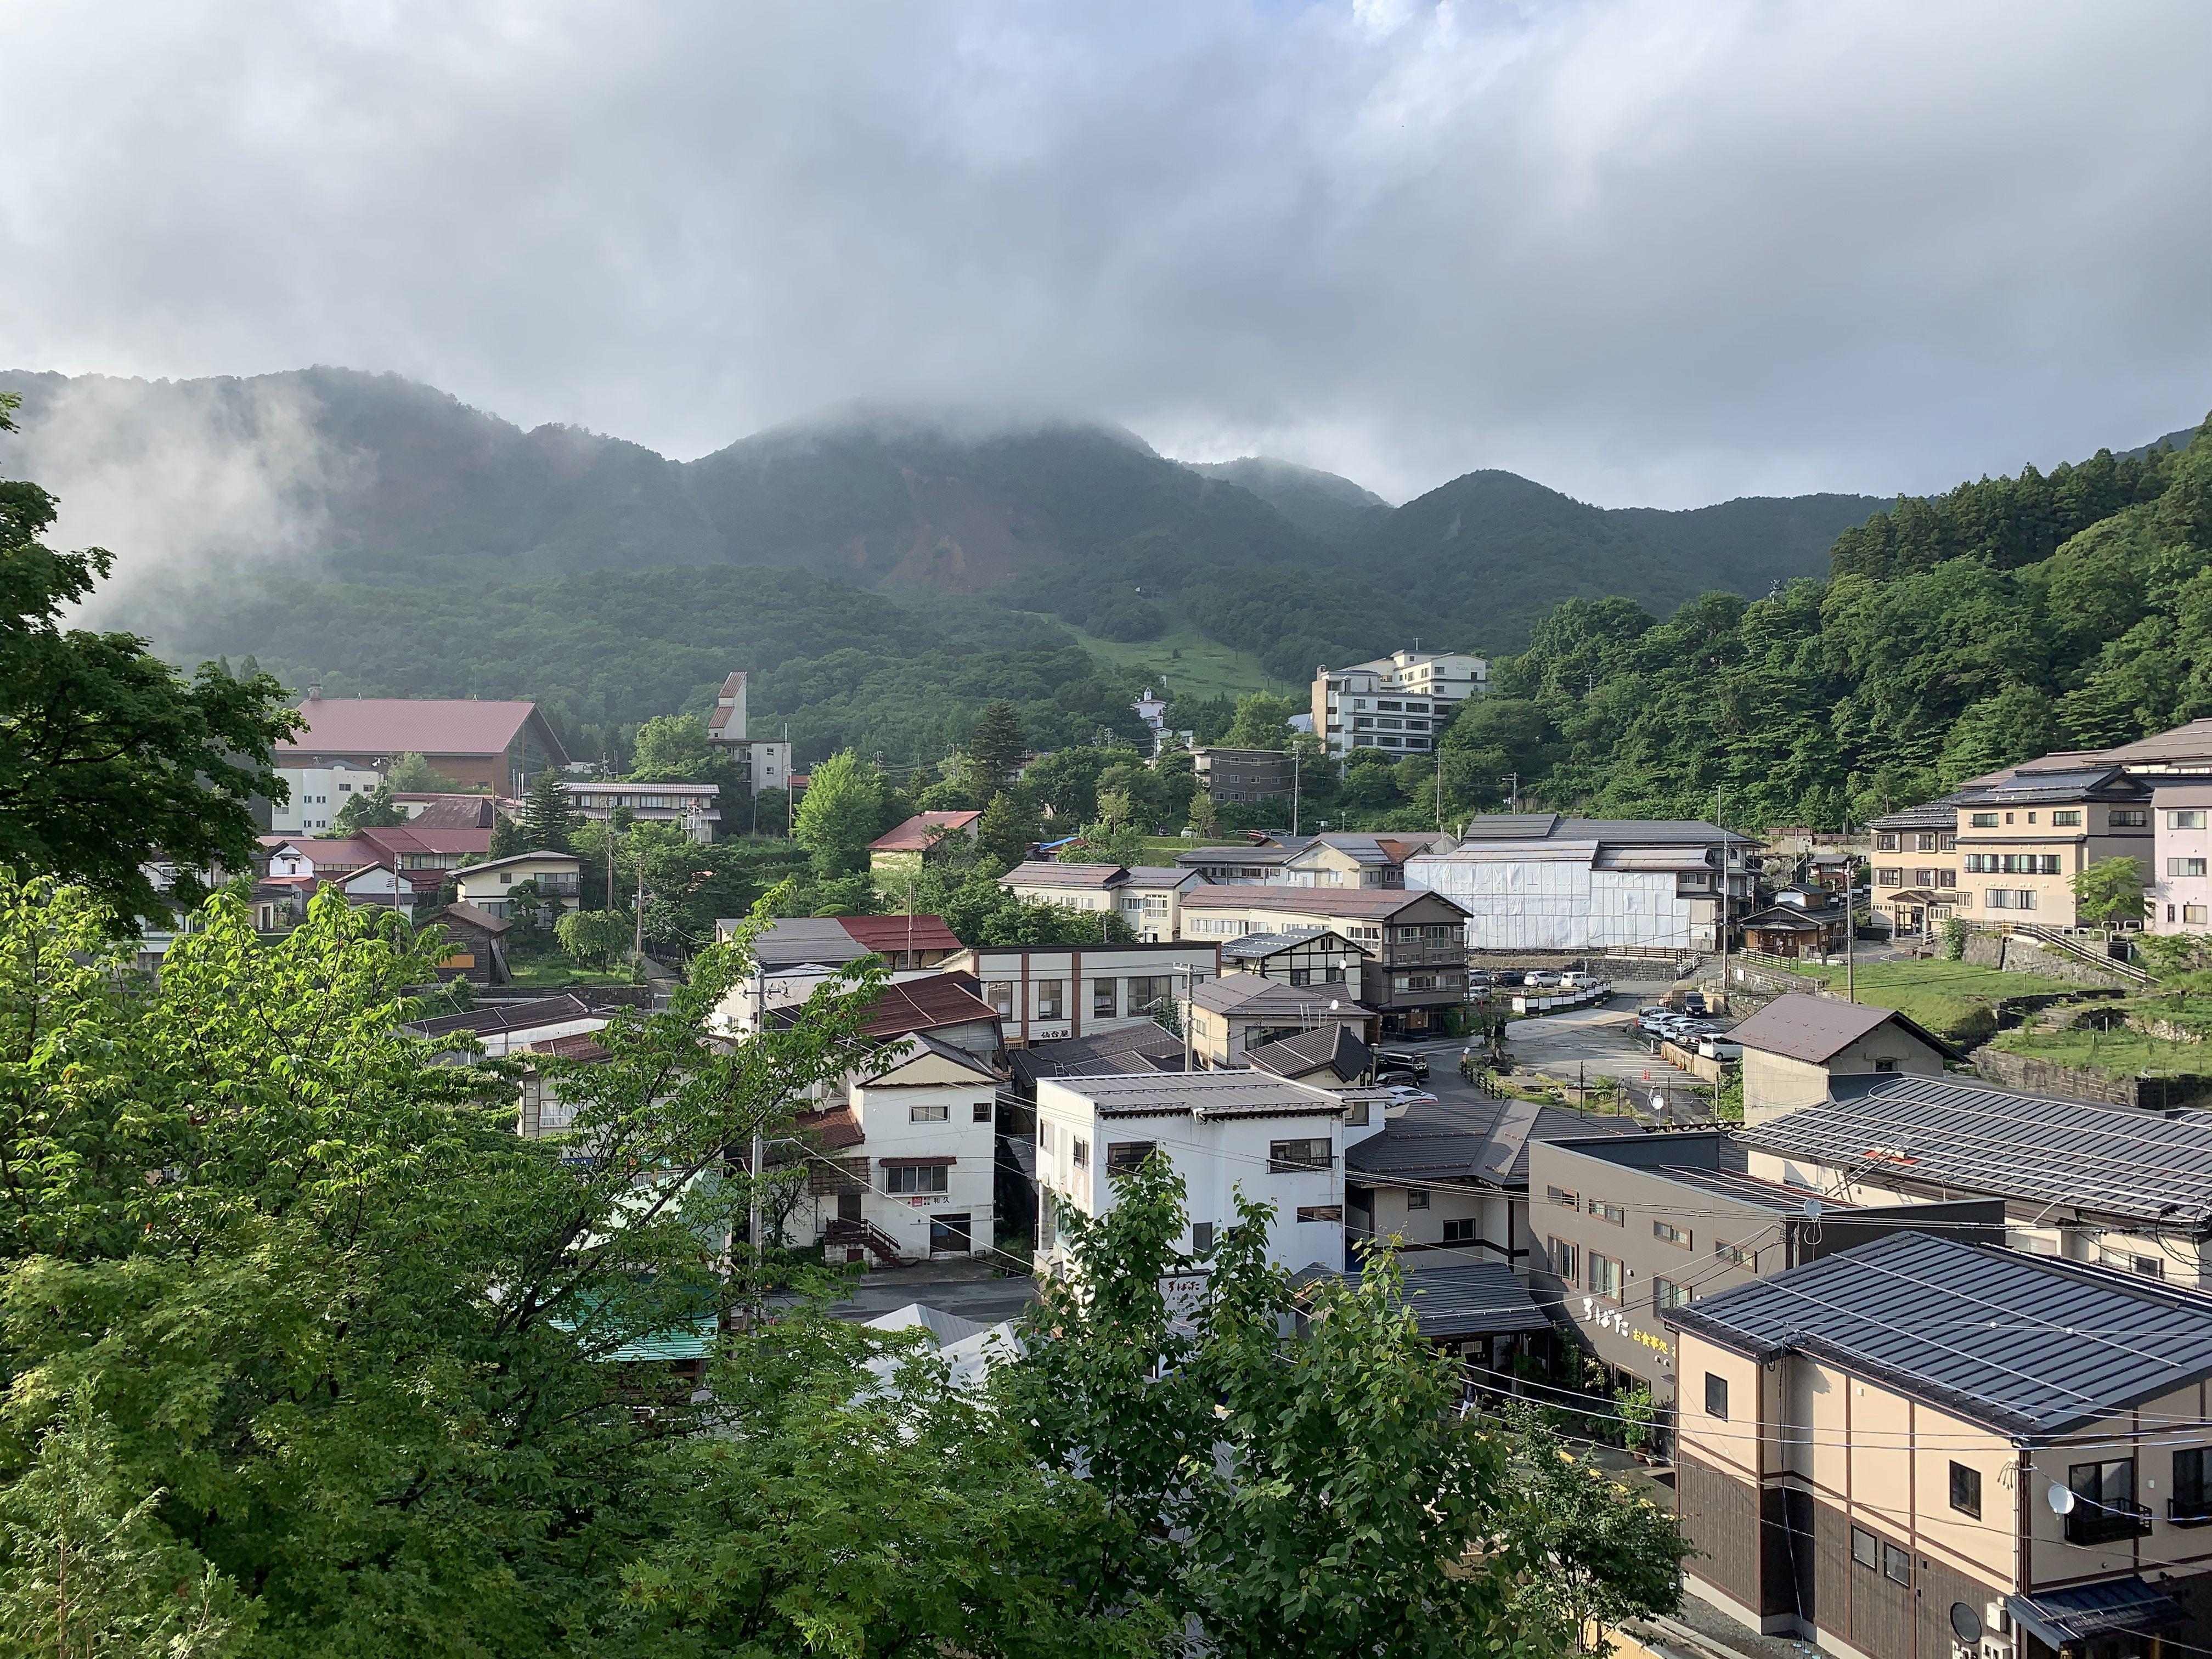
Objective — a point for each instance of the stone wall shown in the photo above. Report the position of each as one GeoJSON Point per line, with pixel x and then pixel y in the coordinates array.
{"type": "Point", "coordinates": [2018, 955]}
{"type": "Point", "coordinates": [2036, 1076]}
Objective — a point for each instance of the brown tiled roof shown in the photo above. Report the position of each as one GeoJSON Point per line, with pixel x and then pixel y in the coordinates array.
{"type": "Point", "coordinates": [882, 933]}
{"type": "Point", "coordinates": [453, 813]}
{"type": "Point", "coordinates": [1816, 1029]}
{"type": "Point", "coordinates": [920, 1004]}
{"type": "Point", "coordinates": [472, 916]}
{"type": "Point", "coordinates": [422, 726]}
{"type": "Point", "coordinates": [835, 1129]}
{"type": "Point", "coordinates": [922, 831]}
{"type": "Point", "coordinates": [416, 838]}
{"type": "Point", "coordinates": [581, 1047]}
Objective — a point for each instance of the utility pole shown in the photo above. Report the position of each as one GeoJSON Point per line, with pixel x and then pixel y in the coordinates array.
{"type": "Point", "coordinates": [1294, 786]}
{"type": "Point", "coordinates": [790, 791]}
{"type": "Point", "coordinates": [1440, 791]}
{"type": "Point", "coordinates": [1512, 782]}
{"type": "Point", "coordinates": [1722, 828]}
{"type": "Point", "coordinates": [760, 1142]}
{"type": "Point", "coordinates": [1850, 920]}
{"type": "Point", "coordinates": [637, 949]}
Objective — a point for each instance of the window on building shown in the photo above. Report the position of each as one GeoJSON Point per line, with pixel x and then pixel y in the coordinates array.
{"type": "Point", "coordinates": [1000, 994]}
{"type": "Point", "coordinates": [1667, 1231]}
{"type": "Point", "coordinates": [1896, 1564]}
{"type": "Point", "coordinates": [1885, 841]}
{"type": "Point", "coordinates": [1078, 1153]}
{"type": "Point", "coordinates": [1946, 842]}
{"type": "Point", "coordinates": [2191, 913]}
{"type": "Point", "coordinates": [1738, 1256]}
{"type": "Point", "coordinates": [2105, 1507]}
{"type": "Point", "coordinates": [1981, 820]}
{"type": "Point", "coordinates": [1105, 998]}
{"type": "Point", "coordinates": [2067, 820]}
{"type": "Point", "coordinates": [1611, 1212]}
{"type": "Point", "coordinates": [1049, 1000]}
{"type": "Point", "coordinates": [1666, 1293]}
{"type": "Point", "coordinates": [1605, 1276]}
{"type": "Point", "coordinates": [928, 1114]}
{"type": "Point", "coordinates": [2191, 1501]}
{"type": "Point", "coordinates": [2191, 818]}
{"type": "Point", "coordinates": [1123, 1156]}
{"type": "Point", "coordinates": [1966, 1490]}
{"type": "Point", "coordinates": [2010, 898]}
{"type": "Point", "coordinates": [1285, 1156]}
{"type": "Point", "coordinates": [1567, 1261]}
{"type": "Point", "coordinates": [916, 1180]}
{"type": "Point", "coordinates": [1201, 1237]}
{"type": "Point", "coordinates": [1416, 1199]}
{"type": "Point", "coordinates": [1716, 1398]}
{"type": "Point", "coordinates": [1460, 1232]}
{"type": "Point", "coordinates": [1886, 876]}
{"type": "Point", "coordinates": [1356, 1114]}
{"type": "Point", "coordinates": [1044, 1136]}
{"type": "Point", "coordinates": [1561, 1195]}
{"type": "Point", "coordinates": [982, 1111]}
{"type": "Point", "coordinates": [2184, 867]}
{"type": "Point", "coordinates": [1148, 992]}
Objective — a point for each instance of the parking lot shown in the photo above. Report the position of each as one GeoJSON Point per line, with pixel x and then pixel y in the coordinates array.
{"type": "Point", "coordinates": [1586, 1045]}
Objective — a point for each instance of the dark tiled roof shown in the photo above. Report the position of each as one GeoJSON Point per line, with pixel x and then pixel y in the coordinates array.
{"type": "Point", "coordinates": [1939, 814]}
{"type": "Point", "coordinates": [1332, 1046]}
{"type": "Point", "coordinates": [2028, 1344]}
{"type": "Point", "coordinates": [1970, 1138]}
{"type": "Point", "coordinates": [1255, 947]}
{"type": "Point", "coordinates": [1475, 1299]}
{"type": "Point", "coordinates": [509, 1016]}
{"type": "Point", "coordinates": [1213, 1094]}
{"type": "Point", "coordinates": [1145, 1046]}
{"type": "Point", "coordinates": [1256, 994]}
{"type": "Point", "coordinates": [470, 916]}
{"type": "Point", "coordinates": [1480, 1139]}
{"type": "Point", "coordinates": [1816, 1029]}
{"type": "Point", "coordinates": [1363, 903]}
{"type": "Point", "coordinates": [1041, 873]}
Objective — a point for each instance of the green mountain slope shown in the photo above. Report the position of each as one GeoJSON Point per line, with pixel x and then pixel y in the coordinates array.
{"type": "Point", "coordinates": [1330, 508]}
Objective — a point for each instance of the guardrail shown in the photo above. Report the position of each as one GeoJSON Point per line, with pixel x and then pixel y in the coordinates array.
{"type": "Point", "coordinates": [1524, 1004]}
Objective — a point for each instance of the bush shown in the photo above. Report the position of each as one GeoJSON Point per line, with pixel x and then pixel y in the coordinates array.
{"type": "Point", "coordinates": [1955, 939]}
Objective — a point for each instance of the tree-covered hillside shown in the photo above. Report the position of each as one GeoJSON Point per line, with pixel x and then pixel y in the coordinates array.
{"type": "Point", "coordinates": [1957, 634]}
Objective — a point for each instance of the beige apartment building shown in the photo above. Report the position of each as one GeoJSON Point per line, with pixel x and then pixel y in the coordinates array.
{"type": "Point", "coordinates": [1148, 897]}
{"type": "Point", "coordinates": [1924, 1448]}
{"type": "Point", "coordinates": [2004, 851]}
{"type": "Point", "coordinates": [1398, 703]}
{"type": "Point", "coordinates": [1420, 973]}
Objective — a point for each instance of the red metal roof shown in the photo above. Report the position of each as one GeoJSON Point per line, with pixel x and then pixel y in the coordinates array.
{"type": "Point", "coordinates": [920, 1004]}
{"type": "Point", "coordinates": [889, 933]}
{"type": "Point", "coordinates": [422, 726]}
{"type": "Point", "coordinates": [413, 838]}
{"type": "Point", "coordinates": [922, 831]}
{"type": "Point", "coordinates": [453, 813]}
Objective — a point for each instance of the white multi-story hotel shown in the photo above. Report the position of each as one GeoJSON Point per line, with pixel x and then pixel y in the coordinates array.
{"type": "Point", "coordinates": [1395, 702]}
{"type": "Point", "coordinates": [320, 790]}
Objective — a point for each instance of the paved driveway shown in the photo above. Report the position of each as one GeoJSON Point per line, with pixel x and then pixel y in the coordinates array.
{"type": "Point", "coordinates": [1601, 1041]}
{"type": "Point", "coordinates": [967, 1288]}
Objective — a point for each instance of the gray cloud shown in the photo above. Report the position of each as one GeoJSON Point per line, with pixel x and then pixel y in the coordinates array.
{"type": "Point", "coordinates": [1644, 252]}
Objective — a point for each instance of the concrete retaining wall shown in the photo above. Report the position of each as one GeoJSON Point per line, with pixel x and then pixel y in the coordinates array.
{"type": "Point", "coordinates": [2035, 1075]}
{"type": "Point", "coordinates": [2017, 955]}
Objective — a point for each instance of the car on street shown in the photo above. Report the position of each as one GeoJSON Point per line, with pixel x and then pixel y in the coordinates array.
{"type": "Point", "coordinates": [1715, 1047]}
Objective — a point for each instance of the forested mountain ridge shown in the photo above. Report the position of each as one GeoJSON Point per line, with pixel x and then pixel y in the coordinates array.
{"type": "Point", "coordinates": [1957, 634]}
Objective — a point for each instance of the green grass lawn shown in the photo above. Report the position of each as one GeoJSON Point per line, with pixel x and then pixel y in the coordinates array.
{"type": "Point", "coordinates": [2121, 1052]}
{"type": "Point", "coordinates": [1951, 999]}
{"type": "Point", "coordinates": [1191, 664]}
{"type": "Point", "coordinates": [554, 974]}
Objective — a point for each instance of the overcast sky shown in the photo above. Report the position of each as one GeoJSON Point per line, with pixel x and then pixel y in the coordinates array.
{"type": "Point", "coordinates": [1658, 253]}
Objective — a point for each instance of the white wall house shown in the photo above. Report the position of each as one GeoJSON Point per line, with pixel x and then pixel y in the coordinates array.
{"type": "Point", "coordinates": [318, 795]}
{"type": "Point", "coordinates": [2181, 866]}
{"type": "Point", "coordinates": [1399, 702]}
{"type": "Point", "coordinates": [693, 808]}
{"type": "Point", "coordinates": [1278, 1141]}
{"type": "Point", "coordinates": [490, 886]}
{"type": "Point", "coordinates": [1534, 881]}
{"type": "Point", "coordinates": [906, 1165]}
{"type": "Point", "coordinates": [1045, 993]}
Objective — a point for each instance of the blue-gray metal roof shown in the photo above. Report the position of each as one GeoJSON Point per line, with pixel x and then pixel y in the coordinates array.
{"type": "Point", "coordinates": [1464, 1299]}
{"type": "Point", "coordinates": [2029, 1345]}
{"type": "Point", "coordinates": [1965, 1138]}
{"type": "Point", "coordinates": [1460, 1138]}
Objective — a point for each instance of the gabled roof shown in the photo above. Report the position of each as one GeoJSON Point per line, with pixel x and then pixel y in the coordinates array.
{"type": "Point", "coordinates": [1255, 947]}
{"type": "Point", "coordinates": [1357, 903]}
{"type": "Point", "coordinates": [453, 813]}
{"type": "Point", "coordinates": [1335, 1047]}
{"type": "Point", "coordinates": [921, 1005]}
{"type": "Point", "coordinates": [1483, 1140]}
{"type": "Point", "coordinates": [1817, 1029]}
{"type": "Point", "coordinates": [882, 933]}
{"type": "Point", "coordinates": [923, 831]}
{"type": "Point", "coordinates": [1941, 813]}
{"type": "Point", "coordinates": [453, 840]}
{"type": "Point", "coordinates": [2030, 1344]}
{"type": "Point", "coordinates": [1967, 1138]}
{"type": "Point", "coordinates": [422, 726]}
{"type": "Point", "coordinates": [344, 851]}
{"type": "Point", "coordinates": [798, 941]}
{"type": "Point", "coordinates": [1257, 995]}
{"type": "Point", "coordinates": [475, 870]}
{"type": "Point", "coordinates": [1616, 832]}
{"type": "Point", "coordinates": [1145, 1046]}
{"type": "Point", "coordinates": [1038, 872]}
{"type": "Point", "coordinates": [912, 1047]}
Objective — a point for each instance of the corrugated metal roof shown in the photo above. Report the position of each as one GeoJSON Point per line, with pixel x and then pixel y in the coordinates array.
{"type": "Point", "coordinates": [1971, 1139]}
{"type": "Point", "coordinates": [1481, 1140]}
{"type": "Point", "coordinates": [424, 726]}
{"type": "Point", "coordinates": [1211, 1094]}
{"type": "Point", "coordinates": [2030, 1344]}
{"type": "Point", "coordinates": [1361, 903]}
{"type": "Point", "coordinates": [1474, 1298]}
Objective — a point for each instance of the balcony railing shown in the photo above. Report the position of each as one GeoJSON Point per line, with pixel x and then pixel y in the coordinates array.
{"type": "Point", "coordinates": [2189, 1511]}
{"type": "Point", "coordinates": [2105, 1524]}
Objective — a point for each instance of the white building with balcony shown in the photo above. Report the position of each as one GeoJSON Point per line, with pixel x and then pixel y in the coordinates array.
{"type": "Point", "coordinates": [1225, 1132]}
{"type": "Point", "coordinates": [319, 794]}
{"type": "Point", "coordinates": [2180, 887]}
{"type": "Point", "coordinates": [1395, 703]}
{"type": "Point", "coordinates": [693, 808]}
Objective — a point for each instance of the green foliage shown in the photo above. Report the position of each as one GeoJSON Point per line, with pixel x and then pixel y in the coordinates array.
{"type": "Point", "coordinates": [507, 838]}
{"type": "Point", "coordinates": [840, 813]}
{"type": "Point", "coordinates": [373, 811]}
{"type": "Point", "coordinates": [1108, 843]}
{"type": "Point", "coordinates": [109, 759]}
{"type": "Point", "coordinates": [673, 749]}
{"type": "Point", "coordinates": [595, 938]}
{"type": "Point", "coordinates": [1261, 722]}
{"type": "Point", "coordinates": [1324, 1498]}
{"type": "Point", "coordinates": [412, 775]}
{"type": "Point", "coordinates": [1009, 827]}
{"type": "Point", "coordinates": [995, 748]}
{"type": "Point", "coordinates": [549, 822]}
{"type": "Point", "coordinates": [2110, 891]}
{"type": "Point", "coordinates": [1205, 819]}
{"type": "Point", "coordinates": [1955, 931]}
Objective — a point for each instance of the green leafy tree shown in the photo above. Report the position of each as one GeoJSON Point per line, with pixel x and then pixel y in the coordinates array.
{"type": "Point", "coordinates": [1205, 819]}
{"type": "Point", "coordinates": [2110, 891]}
{"type": "Point", "coordinates": [1009, 828]}
{"type": "Point", "coordinates": [841, 812]}
{"type": "Point", "coordinates": [1108, 843]}
{"type": "Point", "coordinates": [109, 760]}
{"type": "Point", "coordinates": [1262, 722]}
{"type": "Point", "coordinates": [412, 775]}
{"type": "Point", "coordinates": [995, 748]}
{"type": "Point", "coordinates": [549, 822]}
{"type": "Point", "coordinates": [507, 838]}
{"type": "Point", "coordinates": [673, 749]}
{"type": "Point", "coordinates": [595, 938]}
{"type": "Point", "coordinates": [374, 811]}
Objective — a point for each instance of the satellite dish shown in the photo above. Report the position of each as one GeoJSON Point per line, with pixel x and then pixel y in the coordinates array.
{"type": "Point", "coordinates": [1334, 1004]}
{"type": "Point", "coordinates": [1812, 1213]}
{"type": "Point", "coordinates": [2062, 1498]}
